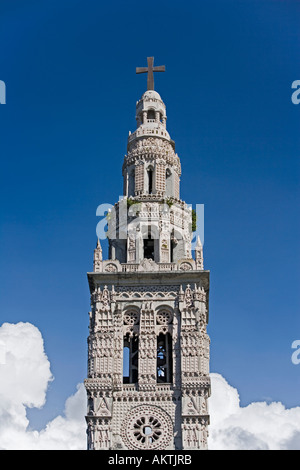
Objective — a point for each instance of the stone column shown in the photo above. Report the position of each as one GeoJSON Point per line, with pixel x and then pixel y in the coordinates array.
{"type": "Point", "coordinates": [147, 349]}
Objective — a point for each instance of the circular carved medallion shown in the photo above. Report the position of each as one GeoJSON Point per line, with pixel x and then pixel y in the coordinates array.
{"type": "Point", "coordinates": [130, 318]}
{"type": "Point", "coordinates": [163, 317]}
{"type": "Point", "coordinates": [147, 427]}
{"type": "Point", "coordinates": [186, 266]}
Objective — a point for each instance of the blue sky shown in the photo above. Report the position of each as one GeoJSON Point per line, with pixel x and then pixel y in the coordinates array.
{"type": "Point", "coordinates": [69, 69]}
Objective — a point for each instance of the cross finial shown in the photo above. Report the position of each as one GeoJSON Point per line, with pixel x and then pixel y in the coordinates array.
{"type": "Point", "coordinates": [150, 69]}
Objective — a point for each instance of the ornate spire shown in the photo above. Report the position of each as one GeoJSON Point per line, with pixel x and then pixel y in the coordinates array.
{"type": "Point", "coordinates": [97, 256]}
{"type": "Point", "coordinates": [199, 254]}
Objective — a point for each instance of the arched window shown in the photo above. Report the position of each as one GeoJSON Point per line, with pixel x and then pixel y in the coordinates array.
{"type": "Point", "coordinates": [130, 359]}
{"type": "Point", "coordinates": [150, 180]}
{"type": "Point", "coordinates": [164, 358]}
{"type": "Point", "coordinates": [131, 183]}
{"type": "Point", "coordinates": [151, 114]}
{"type": "Point", "coordinates": [140, 119]}
{"type": "Point", "coordinates": [149, 246]}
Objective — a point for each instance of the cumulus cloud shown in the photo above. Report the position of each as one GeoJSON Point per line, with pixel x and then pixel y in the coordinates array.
{"type": "Point", "coordinates": [25, 375]}
{"type": "Point", "coordinates": [258, 426]}
{"type": "Point", "coordinates": [66, 432]}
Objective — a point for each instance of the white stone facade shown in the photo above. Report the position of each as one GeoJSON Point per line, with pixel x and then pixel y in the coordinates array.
{"type": "Point", "coordinates": [148, 349]}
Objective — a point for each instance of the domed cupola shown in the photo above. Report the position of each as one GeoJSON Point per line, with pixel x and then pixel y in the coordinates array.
{"type": "Point", "coordinates": [151, 166]}
{"type": "Point", "coordinates": [151, 114]}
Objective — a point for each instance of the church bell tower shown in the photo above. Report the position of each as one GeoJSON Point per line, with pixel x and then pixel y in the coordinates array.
{"type": "Point", "coordinates": [148, 348]}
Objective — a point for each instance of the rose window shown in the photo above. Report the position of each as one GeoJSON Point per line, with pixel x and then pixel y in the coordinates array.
{"type": "Point", "coordinates": [163, 317]}
{"type": "Point", "coordinates": [147, 430]}
{"type": "Point", "coordinates": [147, 427]}
{"type": "Point", "coordinates": [130, 318]}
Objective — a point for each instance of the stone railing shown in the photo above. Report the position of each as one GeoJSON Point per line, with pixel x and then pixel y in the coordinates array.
{"type": "Point", "coordinates": [147, 265]}
{"type": "Point", "coordinates": [126, 267]}
{"type": "Point", "coordinates": [129, 387]}
{"type": "Point", "coordinates": [129, 267]}
{"type": "Point", "coordinates": [160, 132]}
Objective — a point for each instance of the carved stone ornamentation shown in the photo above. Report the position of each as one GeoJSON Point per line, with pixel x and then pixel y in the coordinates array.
{"type": "Point", "coordinates": [148, 265]}
{"type": "Point", "coordinates": [185, 267]}
{"type": "Point", "coordinates": [111, 268]}
{"type": "Point", "coordinates": [147, 427]}
{"type": "Point", "coordinates": [148, 349]}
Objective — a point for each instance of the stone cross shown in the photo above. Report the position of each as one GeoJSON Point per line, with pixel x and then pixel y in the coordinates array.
{"type": "Point", "coordinates": [150, 69]}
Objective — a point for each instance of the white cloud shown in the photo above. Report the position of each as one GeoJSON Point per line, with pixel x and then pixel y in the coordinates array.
{"type": "Point", "coordinates": [25, 374]}
{"type": "Point", "coordinates": [66, 432]}
{"type": "Point", "coordinates": [256, 426]}
{"type": "Point", "coordinates": [24, 377]}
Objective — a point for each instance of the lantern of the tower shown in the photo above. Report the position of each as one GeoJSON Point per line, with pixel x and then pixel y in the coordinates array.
{"type": "Point", "coordinates": [151, 166]}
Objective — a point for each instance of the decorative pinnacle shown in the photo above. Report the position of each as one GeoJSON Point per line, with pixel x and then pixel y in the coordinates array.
{"type": "Point", "coordinates": [199, 244]}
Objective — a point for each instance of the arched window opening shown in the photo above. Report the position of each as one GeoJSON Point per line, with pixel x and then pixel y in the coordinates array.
{"type": "Point", "coordinates": [164, 358]}
{"type": "Point", "coordinates": [140, 119]}
{"type": "Point", "coordinates": [149, 246]}
{"type": "Point", "coordinates": [151, 114]}
{"type": "Point", "coordinates": [130, 359]}
{"type": "Point", "coordinates": [131, 183]}
{"type": "Point", "coordinates": [90, 405]}
{"type": "Point", "coordinates": [150, 180]}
